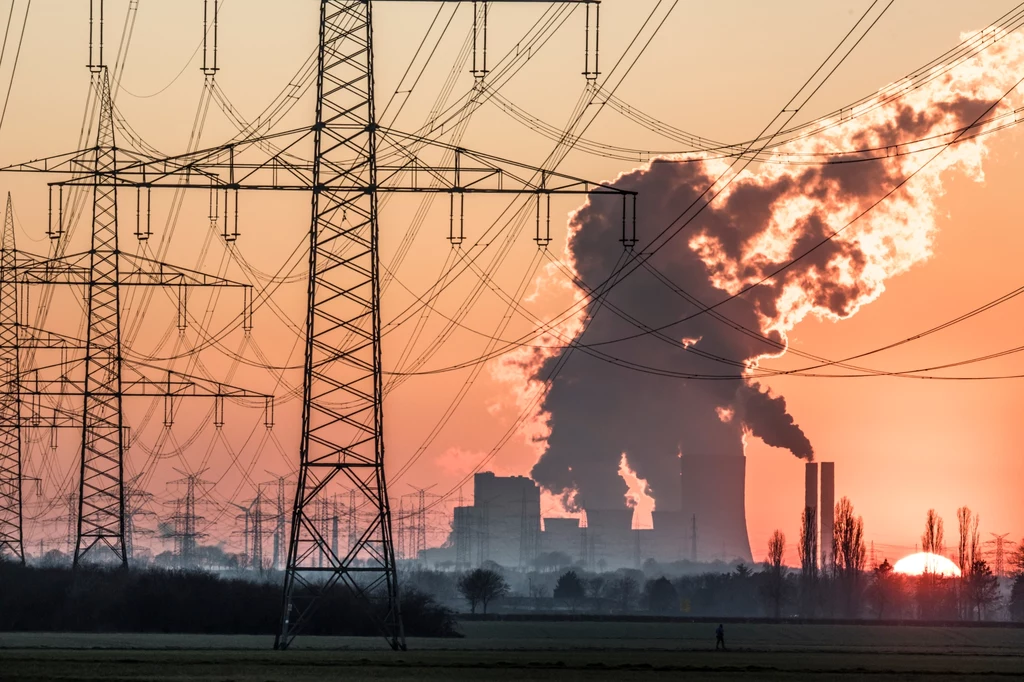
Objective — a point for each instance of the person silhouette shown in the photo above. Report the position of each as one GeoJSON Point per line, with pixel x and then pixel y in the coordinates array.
{"type": "Point", "coordinates": [720, 637]}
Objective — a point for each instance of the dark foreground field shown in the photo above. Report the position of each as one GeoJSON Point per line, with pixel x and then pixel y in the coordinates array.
{"type": "Point", "coordinates": [496, 651]}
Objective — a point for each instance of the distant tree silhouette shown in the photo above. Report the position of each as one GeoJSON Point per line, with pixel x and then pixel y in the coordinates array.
{"type": "Point", "coordinates": [982, 587]}
{"type": "Point", "coordinates": [849, 555]}
{"type": "Point", "coordinates": [1016, 560]}
{"type": "Point", "coordinates": [661, 596]}
{"type": "Point", "coordinates": [482, 586]}
{"type": "Point", "coordinates": [773, 588]}
{"type": "Point", "coordinates": [967, 555]}
{"type": "Point", "coordinates": [808, 551]}
{"type": "Point", "coordinates": [884, 591]}
{"type": "Point", "coordinates": [552, 561]}
{"type": "Point", "coordinates": [570, 589]}
{"type": "Point", "coordinates": [623, 590]}
{"type": "Point", "coordinates": [932, 539]}
{"type": "Point", "coordinates": [1017, 599]}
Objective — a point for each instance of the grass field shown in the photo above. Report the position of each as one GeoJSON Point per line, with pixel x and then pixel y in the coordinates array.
{"type": "Point", "coordinates": [496, 651]}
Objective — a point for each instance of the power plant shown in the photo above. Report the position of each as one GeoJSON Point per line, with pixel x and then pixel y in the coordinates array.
{"type": "Point", "coordinates": [504, 524]}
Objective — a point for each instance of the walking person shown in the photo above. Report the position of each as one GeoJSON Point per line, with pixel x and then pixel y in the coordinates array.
{"type": "Point", "coordinates": [720, 637]}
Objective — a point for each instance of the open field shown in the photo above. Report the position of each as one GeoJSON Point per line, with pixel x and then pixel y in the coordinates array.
{"type": "Point", "coordinates": [495, 651]}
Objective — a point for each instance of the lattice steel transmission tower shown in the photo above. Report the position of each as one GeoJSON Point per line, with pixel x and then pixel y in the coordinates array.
{"type": "Point", "coordinates": [417, 517]}
{"type": "Point", "coordinates": [11, 536]}
{"type": "Point", "coordinates": [1000, 553]}
{"type": "Point", "coordinates": [355, 161]}
{"type": "Point", "coordinates": [15, 337]}
{"type": "Point", "coordinates": [186, 534]}
{"type": "Point", "coordinates": [106, 377]}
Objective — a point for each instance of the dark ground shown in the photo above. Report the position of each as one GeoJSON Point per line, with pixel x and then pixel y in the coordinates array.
{"type": "Point", "coordinates": [496, 651]}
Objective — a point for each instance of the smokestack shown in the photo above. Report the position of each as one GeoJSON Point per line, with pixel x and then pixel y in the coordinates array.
{"type": "Point", "coordinates": [828, 504]}
{"type": "Point", "coordinates": [811, 485]}
{"type": "Point", "coordinates": [811, 494]}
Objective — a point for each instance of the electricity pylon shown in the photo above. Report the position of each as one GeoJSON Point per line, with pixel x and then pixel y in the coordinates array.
{"type": "Point", "coordinates": [355, 161]}
{"type": "Point", "coordinates": [107, 378]}
{"type": "Point", "coordinates": [16, 336]}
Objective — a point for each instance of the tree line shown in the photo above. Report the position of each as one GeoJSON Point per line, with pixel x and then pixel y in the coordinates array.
{"type": "Point", "coordinates": [93, 599]}
{"type": "Point", "coordinates": [844, 587]}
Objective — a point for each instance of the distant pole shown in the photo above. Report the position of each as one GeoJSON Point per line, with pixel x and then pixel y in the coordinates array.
{"type": "Point", "coordinates": [693, 539]}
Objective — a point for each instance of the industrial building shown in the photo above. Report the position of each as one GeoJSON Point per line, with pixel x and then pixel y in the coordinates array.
{"type": "Point", "coordinates": [504, 523]}
{"type": "Point", "coordinates": [822, 505]}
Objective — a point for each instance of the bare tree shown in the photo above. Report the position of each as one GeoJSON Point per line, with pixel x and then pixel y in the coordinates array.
{"type": "Point", "coordinates": [968, 555]}
{"type": "Point", "coordinates": [482, 586]}
{"type": "Point", "coordinates": [849, 555]}
{"type": "Point", "coordinates": [774, 586]}
{"type": "Point", "coordinates": [623, 591]}
{"type": "Point", "coordinates": [808, 551]}
{"type": "Point", "coordinates": [964, 559]}
{"type": "Point", "coordinates": [932, 540]}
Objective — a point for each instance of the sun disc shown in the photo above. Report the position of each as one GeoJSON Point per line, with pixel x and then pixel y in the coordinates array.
{"type": "Point", "coordinates": [926, 562]}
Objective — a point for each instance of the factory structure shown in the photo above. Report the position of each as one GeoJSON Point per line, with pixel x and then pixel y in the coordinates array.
{"type": "Point", "coordinates": [504, 525]}
{"type": "Point", "coordinates": [820, 500]}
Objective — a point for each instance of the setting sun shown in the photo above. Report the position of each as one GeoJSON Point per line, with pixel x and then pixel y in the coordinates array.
{"type": "Point", "coordinates": [926, 562]}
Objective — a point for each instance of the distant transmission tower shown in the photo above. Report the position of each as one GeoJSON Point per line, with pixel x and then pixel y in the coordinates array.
{"type": "Point", "coordinates": [186, 534]}
{"type": "Point", "coordinates": [1000, 553]}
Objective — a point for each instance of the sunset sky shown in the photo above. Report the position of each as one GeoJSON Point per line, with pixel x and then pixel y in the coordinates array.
{"type": "Point", "coordinates": [719, 70]}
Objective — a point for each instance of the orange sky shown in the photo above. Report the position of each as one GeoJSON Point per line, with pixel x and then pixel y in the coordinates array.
{"type": "Point", "coordinates": [721, 70]}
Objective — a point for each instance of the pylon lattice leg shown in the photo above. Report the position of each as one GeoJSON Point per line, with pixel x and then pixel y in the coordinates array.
{"type": "Point", "coordinates": [342, 421]}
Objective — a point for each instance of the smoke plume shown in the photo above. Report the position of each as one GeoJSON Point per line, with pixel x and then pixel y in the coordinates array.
{"type": "Point", "coordinates": [595, 411]}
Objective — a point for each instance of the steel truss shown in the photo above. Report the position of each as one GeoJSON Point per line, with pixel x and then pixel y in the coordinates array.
{"type": "Point", "coordinates": [106, 377]}
{"type": "Point", "coordinates": [354, 161]}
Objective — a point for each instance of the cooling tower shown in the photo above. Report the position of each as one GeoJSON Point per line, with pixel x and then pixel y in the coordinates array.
{"type": "Point", "coordinates": [713, 491]}
{"type": "Point", "coordinates": [610, 534]}
{"type": "Point", "coordinates": [563, 535]}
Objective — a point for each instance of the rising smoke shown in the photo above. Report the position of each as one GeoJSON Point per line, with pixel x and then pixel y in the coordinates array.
{"type": "Point", "coordinates": [596, 411]}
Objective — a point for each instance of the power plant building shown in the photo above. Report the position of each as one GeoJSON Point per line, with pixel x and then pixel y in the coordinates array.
{"type": "Point", "coordinates": [504, 523]}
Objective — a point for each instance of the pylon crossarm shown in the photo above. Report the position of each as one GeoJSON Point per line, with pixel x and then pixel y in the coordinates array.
{"type": "Point", "coordinates": [32, 269]}
{"type": "Point", "coordinates": [138, 166]}
{"type": "Point", "coordinates": [471, 173]}
{"type": "Point", "coordinates": [137, 270]}
{"type": "Point", "coordinates": [149, 380]}
{"type": "Point", "coordinates": [138, 380]}
{"type": "Point", "coordinates": [42, 339]}
{"type": "Point", "coordinates": [475, 172]}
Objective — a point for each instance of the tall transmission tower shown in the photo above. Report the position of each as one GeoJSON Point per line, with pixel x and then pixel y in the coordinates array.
{"type": "Point", "coordinates": [16, 336]}
{"type": "Point", "coordinates": [355, 161]}
{"type": "Point", "coordinates": [11, 537]}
